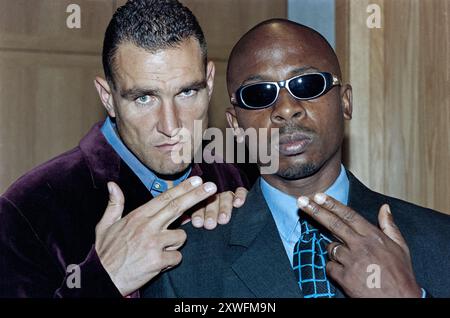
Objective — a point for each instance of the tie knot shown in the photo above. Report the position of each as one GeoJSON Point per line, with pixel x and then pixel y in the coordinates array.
{"type": "Point", "coordinates": [307, 230]}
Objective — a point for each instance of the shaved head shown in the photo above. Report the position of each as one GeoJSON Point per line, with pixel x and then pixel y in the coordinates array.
{"type": "Point", "coordinates": [311, 130]}
{"type": "Point", "coordinates": [269, 37]}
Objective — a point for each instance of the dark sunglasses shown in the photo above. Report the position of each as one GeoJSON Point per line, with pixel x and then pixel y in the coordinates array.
{"type": "Point", "coordinates": [304, 87]}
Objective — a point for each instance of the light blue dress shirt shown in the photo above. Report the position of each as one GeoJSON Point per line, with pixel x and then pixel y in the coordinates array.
{"type": "Point", "coordinates": [155, 185]}
{"type": "Point", "coordinates": [285, 211]}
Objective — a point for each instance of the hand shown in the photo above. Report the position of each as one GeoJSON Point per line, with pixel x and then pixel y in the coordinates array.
{"type": "Point", "coordinates": [218, 209]}
{"type": "Point", "coordinates": [364, 244]}
{"type": "Point", "coordinates": [136, 248]}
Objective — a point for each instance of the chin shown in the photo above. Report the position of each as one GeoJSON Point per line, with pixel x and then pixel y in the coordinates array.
{"type": "Point", "coordinates": [171, 169]}
{"type": "Point", "coordinates": [297, 171]}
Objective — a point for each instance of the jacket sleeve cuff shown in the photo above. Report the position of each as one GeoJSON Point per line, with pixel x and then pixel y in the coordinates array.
{"type": "Point", "coordinates": [94, 280]}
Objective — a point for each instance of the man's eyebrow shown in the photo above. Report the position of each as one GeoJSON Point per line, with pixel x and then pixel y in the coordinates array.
{"type": "Point", "coordinates": [298, 70]}
{"type": "Point", "coordinates": [253, 78]}
{"type": "Point", "coordinates": [303, 69]}
{"type": "Point", "coordinates": [198, 84]}
{"type": "Point", "coordinates": [136, 92]}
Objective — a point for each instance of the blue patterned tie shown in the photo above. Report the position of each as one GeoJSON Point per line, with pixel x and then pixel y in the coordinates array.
{"type": "Point", "coordinates": [310, 259]}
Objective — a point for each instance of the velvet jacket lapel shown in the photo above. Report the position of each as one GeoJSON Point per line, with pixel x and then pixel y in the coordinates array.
{"type": "Point", "coordinates": [106, 165]}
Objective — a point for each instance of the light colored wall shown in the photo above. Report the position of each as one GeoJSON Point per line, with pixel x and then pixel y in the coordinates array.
{"type": "Point", "coordinates": [399, 138]}
{"type": "Point", "coordinates": [317, 14]}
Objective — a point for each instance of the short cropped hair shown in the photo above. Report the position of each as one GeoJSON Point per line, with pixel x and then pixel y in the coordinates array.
{"type": "Point", "coordinates": [152, 25]}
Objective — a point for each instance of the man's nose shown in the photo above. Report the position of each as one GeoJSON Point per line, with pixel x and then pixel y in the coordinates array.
{"type": "Point", "coordinates": [287, 108]}
{"type": "Point", "coordinates": [168, 121]}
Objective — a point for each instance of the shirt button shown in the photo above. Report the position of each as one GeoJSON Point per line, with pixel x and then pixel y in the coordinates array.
{"type": "Point", "coordinates": [157, 185]}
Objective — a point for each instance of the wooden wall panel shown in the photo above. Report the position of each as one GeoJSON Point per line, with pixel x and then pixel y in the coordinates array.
{"type": "Point", "coordinates": [47, 96]}
{"type": "Point", "coordinates": [41, 25]}
{"type": "Point", "coordinates": [43, 112]}
{"type": "Point", "coordinates": [398, 140]}
{"type": "Point", "coordinates": [433, 74]}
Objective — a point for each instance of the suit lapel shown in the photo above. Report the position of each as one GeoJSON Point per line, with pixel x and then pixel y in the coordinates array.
{"type": "Point", "coordinates": [135, 192]}
{"type": "Point", "coordinates": [363, 200]}
{"type": "Point", "coordinates": [263, 266]}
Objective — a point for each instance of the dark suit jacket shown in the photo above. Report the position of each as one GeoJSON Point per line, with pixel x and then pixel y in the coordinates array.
{"type": "Point", "coordinates": [48, 219]}
{"type": "Point", "coordinates": [246, 258]}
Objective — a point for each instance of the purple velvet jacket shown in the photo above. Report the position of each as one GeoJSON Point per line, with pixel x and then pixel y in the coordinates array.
{"type": "Point", "coordinates": [48, 219]}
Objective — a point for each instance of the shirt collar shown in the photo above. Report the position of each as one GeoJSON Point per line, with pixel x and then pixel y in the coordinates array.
{"type": "Point", "coordinates": [154, 184]}
{"type": "Point", "coordinates": [284, 207]}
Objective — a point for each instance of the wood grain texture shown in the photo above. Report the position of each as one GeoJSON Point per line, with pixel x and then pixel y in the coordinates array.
{"type": "Point", "coordinates": [48, 102]}
{"type": "Point", "coordinates": [434, 101]}
{"type": "Point", "coordinates": [47, 96]}
{"type": "Point", "coordinates": [40, 25]}
{"type": "Point", "coordinates": [399, 137]}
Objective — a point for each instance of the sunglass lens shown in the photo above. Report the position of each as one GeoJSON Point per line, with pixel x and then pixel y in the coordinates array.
{"type": "Point", "coordinates": [307, 86]}
{"type": "Point", "coordinates": [259, 95]}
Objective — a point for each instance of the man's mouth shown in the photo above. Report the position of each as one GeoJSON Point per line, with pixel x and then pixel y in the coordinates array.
{"type": "Point", "coordinates": [169, 147]}
{"type": "Point", "coordinates": [293, 144]}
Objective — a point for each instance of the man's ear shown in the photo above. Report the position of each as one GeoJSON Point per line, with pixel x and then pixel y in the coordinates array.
{"type": "Point", "coordinates": [233, 123]}
{"type": "Point", "coordinates": [347, 101]}
{"type": "Point", "coordinates": [104, 92]}
{"type": "Point", "coordinates": [210, 73]}
{"type": "Point", "coordinates": [230, 112]}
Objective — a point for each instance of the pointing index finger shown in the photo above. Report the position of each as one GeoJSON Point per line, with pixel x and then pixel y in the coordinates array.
{"type": "Point", "coordinates": [155, 205]}
{"type": "Point", "coordinates": [345, 213]}
{"type": "Point", "coordinates": [329, 220]}
{"type": "Point", "coordinates": [168, 214]}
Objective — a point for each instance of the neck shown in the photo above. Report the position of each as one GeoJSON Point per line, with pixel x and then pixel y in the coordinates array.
{"type": "Point", "coordinates": [308, 186]}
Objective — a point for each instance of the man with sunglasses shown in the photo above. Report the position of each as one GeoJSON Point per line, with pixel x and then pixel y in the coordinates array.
{"type": "Point", "coordinates": [309, 230]}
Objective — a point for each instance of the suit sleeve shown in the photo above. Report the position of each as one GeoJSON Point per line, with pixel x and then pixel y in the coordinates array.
{"type": "Point", "coordinates": [28, 269]}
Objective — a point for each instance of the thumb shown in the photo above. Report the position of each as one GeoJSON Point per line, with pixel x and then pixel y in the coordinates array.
{"type": "Point", "coordinates": [239, 197]}
{"type": "Point", "coordinates": [113, 212]}
{"type": "Point", "coordinates": [388, 226]}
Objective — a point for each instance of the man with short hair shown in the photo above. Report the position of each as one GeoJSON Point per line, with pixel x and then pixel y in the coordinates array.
{"type": "Point", "coordinates": [97, 221]}
{"type": "Point", "coordinates": [310, 229]}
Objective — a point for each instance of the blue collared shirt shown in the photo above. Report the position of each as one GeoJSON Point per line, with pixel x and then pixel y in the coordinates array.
{"type": "Point", "coordinates": [155, 185]}
{"type": "Point", "coordinates": [285, 211]}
